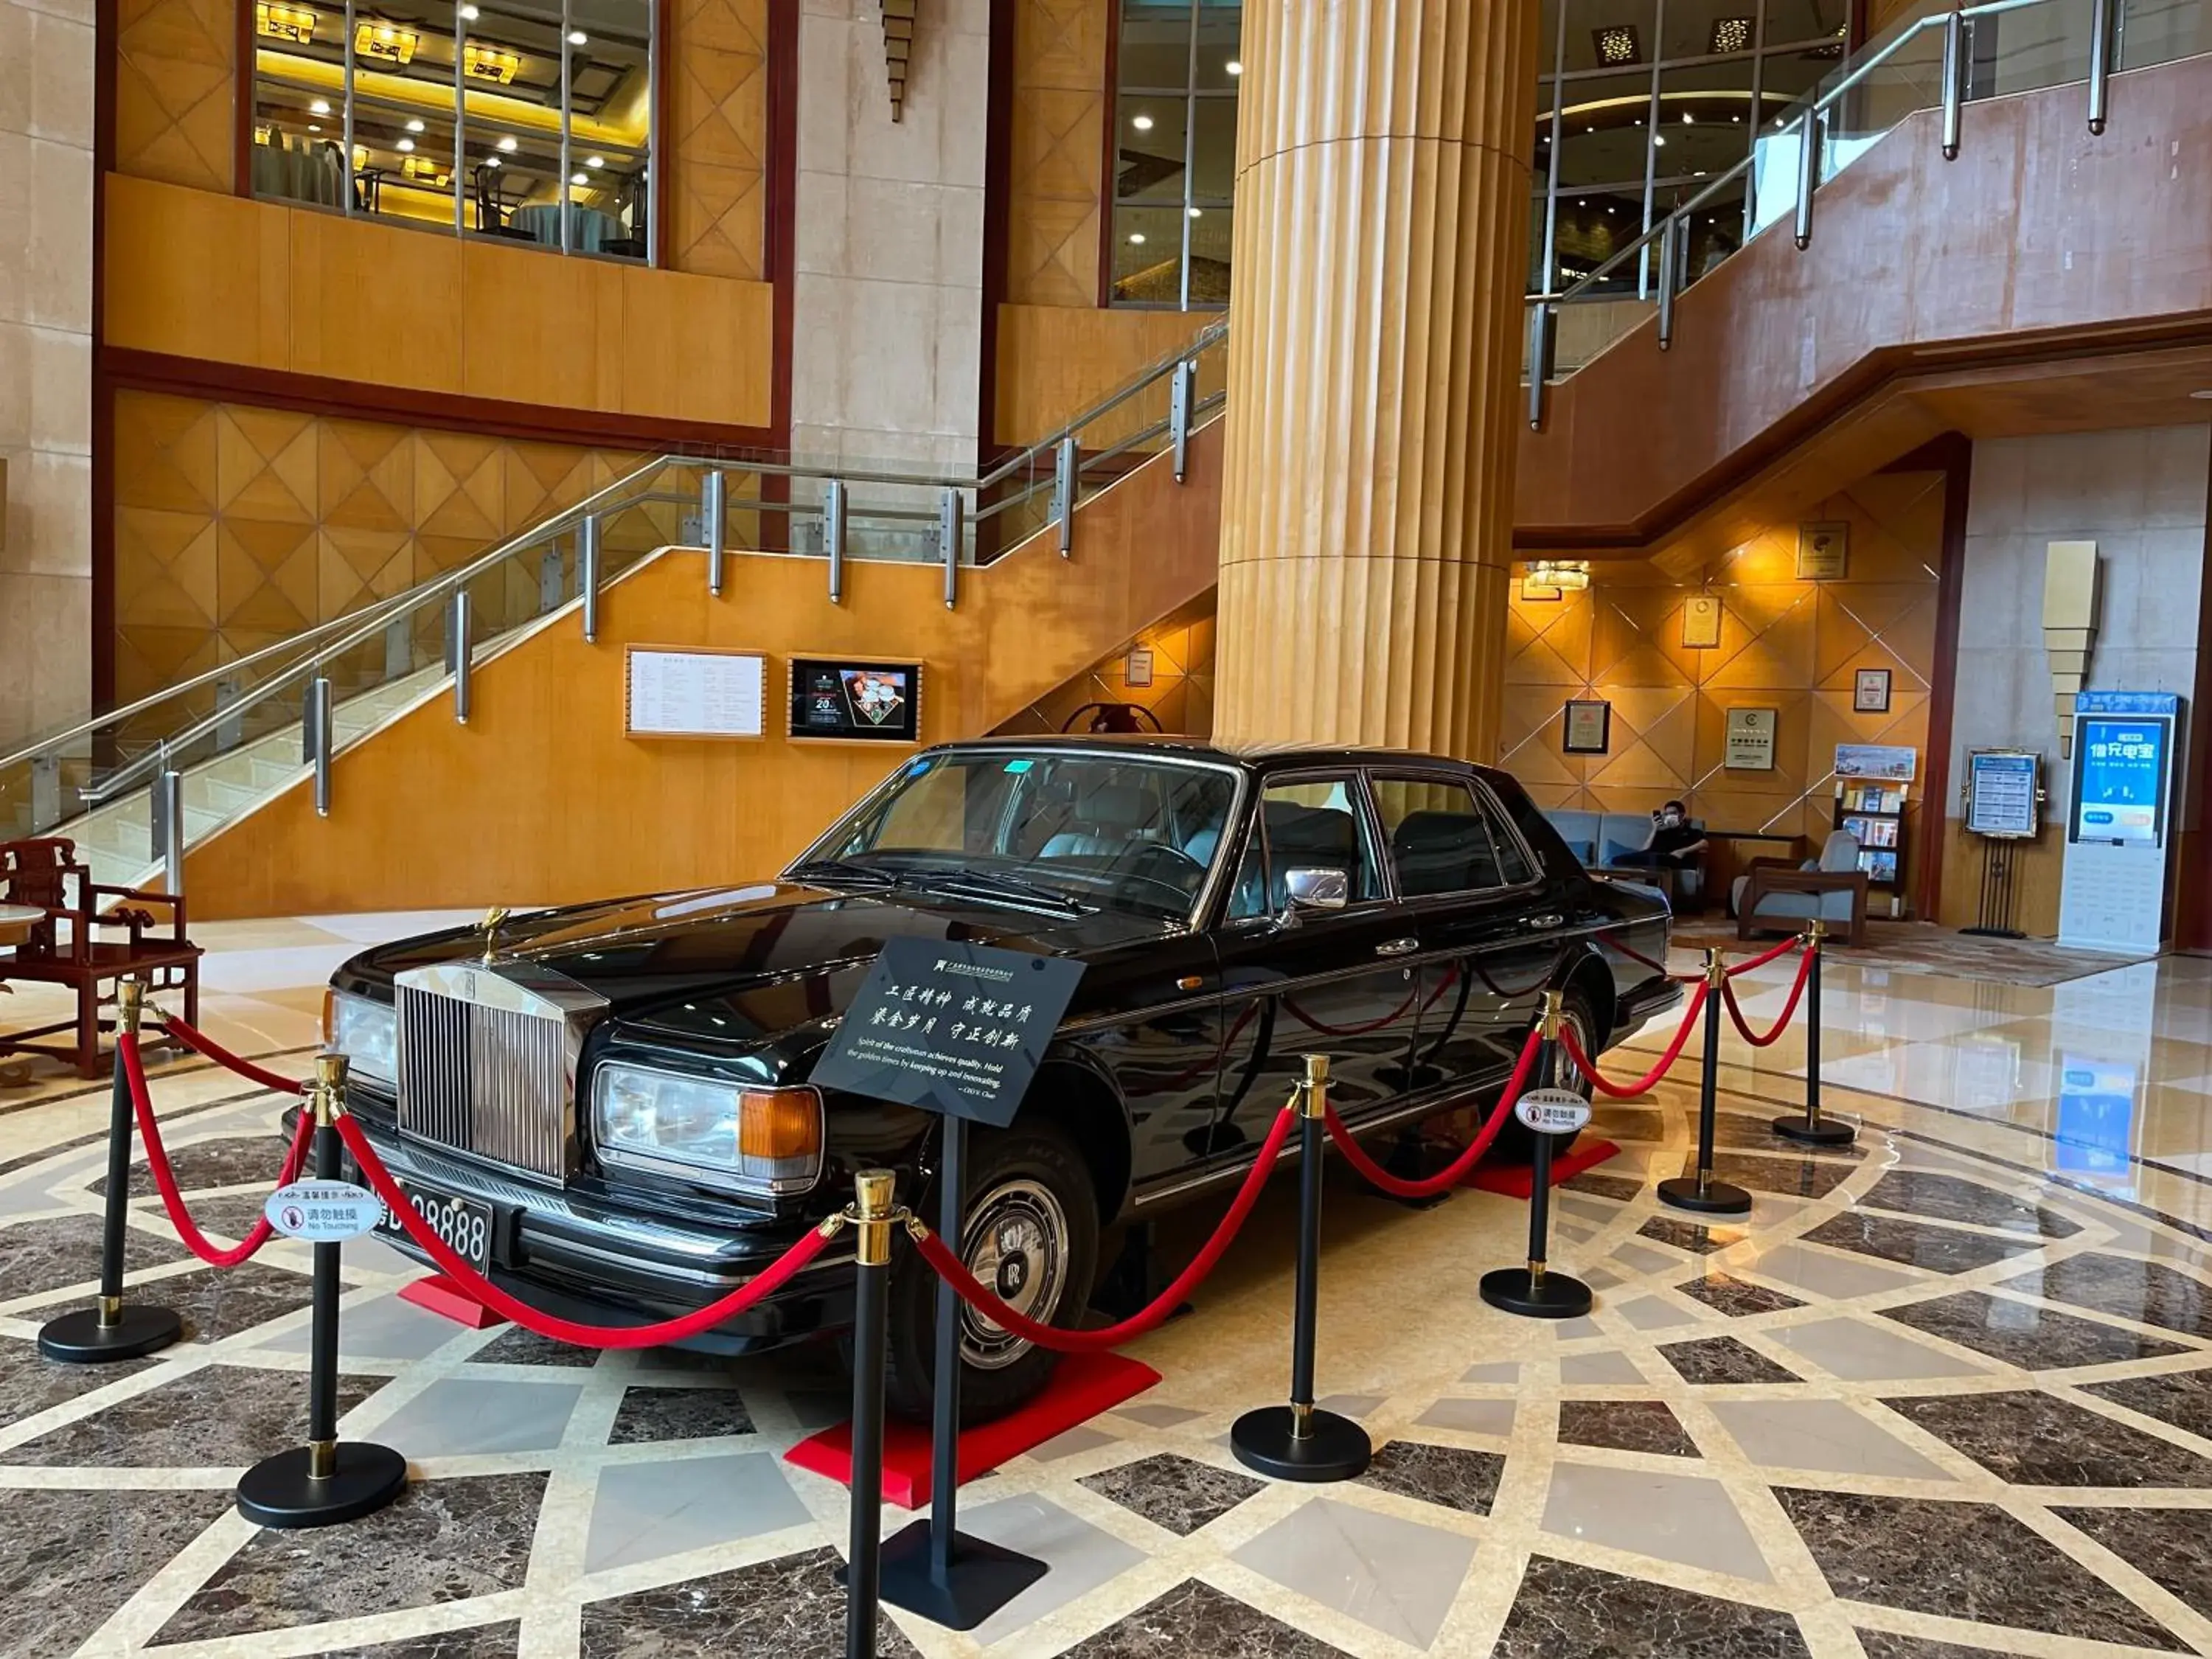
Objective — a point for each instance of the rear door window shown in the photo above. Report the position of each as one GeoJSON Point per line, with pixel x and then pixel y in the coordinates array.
{"type": "Point", "coordinates": [1445, 838]}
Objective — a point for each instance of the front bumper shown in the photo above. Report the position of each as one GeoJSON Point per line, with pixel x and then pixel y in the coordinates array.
{"type": "Point", "coordinates": [598, 1262]}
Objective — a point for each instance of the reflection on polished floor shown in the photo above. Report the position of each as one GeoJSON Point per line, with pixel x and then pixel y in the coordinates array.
{"type": "Point", "coordinates": [1946, 1392]}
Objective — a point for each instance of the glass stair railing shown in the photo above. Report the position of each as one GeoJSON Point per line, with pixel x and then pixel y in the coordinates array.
{"type": "Point", "coordinates": [134, 787]}
{"type": "Point", "coordinates": [1936, 57]}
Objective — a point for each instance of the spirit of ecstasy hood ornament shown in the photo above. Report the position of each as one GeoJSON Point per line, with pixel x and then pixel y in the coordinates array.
{"type": "Point", "coordinates": [493, 917]}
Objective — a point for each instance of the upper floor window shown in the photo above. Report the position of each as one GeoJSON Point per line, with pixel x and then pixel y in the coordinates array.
{"type": "Point", "coordinates": [1175, 152]}
{"type": "Point", "coordinates": [533, 124]}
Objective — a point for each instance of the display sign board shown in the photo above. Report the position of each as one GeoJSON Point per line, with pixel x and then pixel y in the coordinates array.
{"type": "Point", "coordinates": [842, 701]}
{"type": "Point", "coordinates": [323, 1212]}
{"type": "Point", "coordinates": [693, 694]}
{"type": "Point", "coordinates": [1751, 740]}
{"type": "Point", "coordinates": [2112, 896]}
{"type": "Point", "coordinates": [1876, 760]}
{"type": "Point", "coordinates": [950, 1027]}
{"type": "Point", "coordinates": [2003, 794]}
{"type": "Point", "coordinates": [2119, 778]}
{"type": "Point", "coordinates": [1552, 1111]}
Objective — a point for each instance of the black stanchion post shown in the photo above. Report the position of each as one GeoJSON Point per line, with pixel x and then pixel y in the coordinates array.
{"type": "Point", "coordinates": [108, 1330]}
{"type": "Point", "coordinates": [1534, 1290]}
{"type": "Point", "coordinates": [1700, 1192]}
{"type": "Point", "coordinates": [1298, 1441]}
{"type": "Point", "coordinates": [932, 1568]}
{"type": "Point", "coordinates": [871, 1213]}
{"type": "Point", "coordinates": [1811, 1129]}
{"type": "Point", "coordinates": [327, 1480]}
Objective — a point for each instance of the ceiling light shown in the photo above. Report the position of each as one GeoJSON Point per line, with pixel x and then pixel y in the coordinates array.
{"type": "Point", "coordinates": [1234, 67]}
{"type": "Point", "coordinates": [406, 144]}
{"type": "Point", "coordinates": [1728, 34]}
{"type": "Point", "coordinates": [384, 43]}
{"type": "Point", "coordinates": [319, 107]}
{"type": "Point", "coordinates": [491, 160]}
{"type": "Point", "coordinates": [1197, 213]}
{"type": "Point", "coordinates": [1688, 119]}
{"type": "Point", "coordinates": [1618, 46]}
{"type": "Point", "coordinates": [1136, 239]}
{"type": "Point", "coordinates": [1142, 123]}
{"type": "Point", "coordinates": [414, 125]}
{"type": "Point", "coordinates": [295, 24]}
{"type": "Point", "coordinates": [1658, 141]}
{"type": "Point", "coordinates": [1738, 119]}
{"type": "Point", "coordinates": [470, 14]}
{"type": "Point", "coordinates": [312, 127]}
{"type": "Point", "coordinates": [578, 38]}
{"type": "Point", "coordinates": [579, 178]}
{"type": "Point", "coordinates": [595, 161]}
{"type": "Point", "coordinates": [494, 63]}
{"type": "Point", "coordinates": [508, 144]}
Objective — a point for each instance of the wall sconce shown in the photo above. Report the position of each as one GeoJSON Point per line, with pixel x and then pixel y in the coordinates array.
{"type": "Point", "coordinates": [293, 24]}
{"type": "Point", "coordinates": [1567, 575]}
{"type": "Point", "coordinates": [2071, 594]}
{"type": "Point", "coordinates": [384, 43]}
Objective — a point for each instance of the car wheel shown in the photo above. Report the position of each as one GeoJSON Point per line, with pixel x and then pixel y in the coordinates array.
{"type": "Point", "coordinates": [1031, 1235]}
{"type": "Point", "coordinates": [1516, 1142]}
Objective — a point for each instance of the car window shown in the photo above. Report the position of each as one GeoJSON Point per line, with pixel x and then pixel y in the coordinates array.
{"type": "Point", "coordinates": [1313, 824]}
{"type": "Point", "coordinates": [1444, 839]}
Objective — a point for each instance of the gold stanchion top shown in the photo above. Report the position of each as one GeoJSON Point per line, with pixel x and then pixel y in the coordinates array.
{"type": "Point", "coordinates": [1317, 1069]}
{"type": "Point", "coordinates": [1716, 968]}
{"type": "Point", "coordinates": [1816, 930]}
{"type": "Point", "coordinates": [130, 1002]}
{"type": "Point", "coordinates": [331, 1070]}
{"type": "Point", "coordinates": [1554, 1005]}
{"type": "Point", "coordinates": [872, 1192]}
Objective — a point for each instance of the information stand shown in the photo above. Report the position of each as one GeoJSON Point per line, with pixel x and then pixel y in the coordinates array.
{"type": "Point", "coordinates": [2004, 796]}
{"type": "Point", "coordinates": [2118, 825]}
{"type": "Point", "coordinates": [958, 1030]}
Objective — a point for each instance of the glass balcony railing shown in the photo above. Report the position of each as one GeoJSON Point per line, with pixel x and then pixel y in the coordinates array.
{"type": "Point", "coordinates": [1937, 56]}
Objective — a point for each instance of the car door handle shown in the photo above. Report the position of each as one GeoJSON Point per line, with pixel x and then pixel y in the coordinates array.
{"type": "Point", "coordinates": [1397, 947]}
{"type": "Point", "coordinates": [1551, 920]}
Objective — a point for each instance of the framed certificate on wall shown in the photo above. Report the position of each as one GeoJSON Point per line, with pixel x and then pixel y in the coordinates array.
{"type": "Point", "coordinates": [1587, 728]}
{"type": "Point", "coordinates": [1751, 740]}
{"type": "Point", "coordinates": [1701, 622]}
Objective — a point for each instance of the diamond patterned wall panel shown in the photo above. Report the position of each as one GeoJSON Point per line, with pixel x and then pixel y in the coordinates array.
{"type": "Point", "coordinates": [1055, 175]}
{"type": "Point", "coordinates": [236, 526]}
{"type": "Point", "coordinates": [718, 110]}
{"type": "Point", "coordinates": [1180, 696]}
{"type": "Point", "coordinates": [1795, 647]}
{"type": "Point", "coordinates": [174, 91]}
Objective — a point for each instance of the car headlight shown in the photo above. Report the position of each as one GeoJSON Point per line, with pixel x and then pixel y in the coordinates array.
{"type": "Point", "coordinates": [767, 1141]}
{"type": "Point", "coordinates": [367, 1033]}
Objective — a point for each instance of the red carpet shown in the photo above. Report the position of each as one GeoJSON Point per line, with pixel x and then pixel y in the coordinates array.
{"type": "Point", "coordinates": [1518, 1180]}
{"type": "Point", "coordinates": [1085, 1385]}
{"type": "Point", "coordinates": [442, 1295]}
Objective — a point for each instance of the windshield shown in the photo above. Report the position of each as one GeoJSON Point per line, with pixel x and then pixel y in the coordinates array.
{"type": "Point", "coordinates": [1072, 831]}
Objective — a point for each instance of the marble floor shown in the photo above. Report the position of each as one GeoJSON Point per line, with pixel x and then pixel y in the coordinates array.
{"type": "Point", "coordinates": [1946, 1392]}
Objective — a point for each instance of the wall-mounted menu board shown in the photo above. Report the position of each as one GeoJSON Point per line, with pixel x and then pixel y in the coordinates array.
{"type": "Point", "coordinates": [690, 692]}
{"type": "Point", "coordinates": [838, 699]}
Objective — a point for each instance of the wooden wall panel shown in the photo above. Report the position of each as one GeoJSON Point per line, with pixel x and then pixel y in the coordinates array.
{"type": "Point", "coordinates": [717, 101]}
{"type": "Point", "coordinates": [1056, 165]}
{"type": "Point", "coordinates": [237, 526]}
{"type": "Point", "coordinates": [1180, 696]}
{"type": "Point", "coordinates": [175, 114]}
{"type": "Point", "coordinates": [1054, 362]}
{"type": "Point", "coordinates": [1792, 646]}
{"type": "Point", "coordinates": [541, 798]}
{"type": "Point", "coordinates": [223, 280]}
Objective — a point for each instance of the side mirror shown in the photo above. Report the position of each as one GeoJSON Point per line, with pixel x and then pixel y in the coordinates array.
{"type": "Point", "coordinates": [1317, 889]}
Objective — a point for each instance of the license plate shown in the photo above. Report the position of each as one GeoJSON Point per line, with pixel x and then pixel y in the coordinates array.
{"type": "Point", "coordinates": [464, 1224]}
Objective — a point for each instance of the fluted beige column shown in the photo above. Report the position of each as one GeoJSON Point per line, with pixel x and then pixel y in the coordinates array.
{"type": "Point", "coordinates": [1383, 155]}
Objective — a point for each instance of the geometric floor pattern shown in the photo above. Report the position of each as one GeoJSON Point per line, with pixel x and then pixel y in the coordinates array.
{"type": "Point", "coordinates": [1945, 1392]}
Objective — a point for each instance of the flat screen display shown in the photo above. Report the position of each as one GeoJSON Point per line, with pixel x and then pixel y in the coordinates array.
{"type": "Point", "coordinates": [849, 702]}
{"type": "Point", "coordinates": [2119, 779]}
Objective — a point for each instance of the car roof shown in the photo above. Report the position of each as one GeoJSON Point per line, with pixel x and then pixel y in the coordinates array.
{"type": "Point", "coordinates": [1272, 756]}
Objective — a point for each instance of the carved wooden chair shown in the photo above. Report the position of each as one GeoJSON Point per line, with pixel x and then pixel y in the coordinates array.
{"type": "Point", "coordinates": [74, 945]}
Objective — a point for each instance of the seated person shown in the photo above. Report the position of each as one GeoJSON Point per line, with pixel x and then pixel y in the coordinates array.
{"type": "Point", "coordinates": [1675, 842]}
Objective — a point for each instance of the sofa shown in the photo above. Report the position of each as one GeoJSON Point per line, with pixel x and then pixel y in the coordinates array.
{"type": "Point", "coordinates": [1599, 839]}
{"type": "Point", "coordinates": [1775, 895]}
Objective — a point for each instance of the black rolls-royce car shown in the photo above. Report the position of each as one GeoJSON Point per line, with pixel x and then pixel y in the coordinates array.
{"type": "Point", "coordinates": [607, 1105]}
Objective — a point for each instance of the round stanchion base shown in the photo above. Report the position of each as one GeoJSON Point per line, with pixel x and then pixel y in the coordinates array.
{"type": "Point", "coordinates": [278, 1492]}
{"type": "Point", "coordinates": [1332, 1448]}
{"type": "Point", "coordinates": [1518, 1290]}
{"type": "Point", "coordinates": [1714, 1198]}
{"type": "Point", "coordinates": [79, 1338]}
{"type": "Point", "coordinates": [984, 1577]}
{"type": "Point", "coordinates": [1826, 1133]}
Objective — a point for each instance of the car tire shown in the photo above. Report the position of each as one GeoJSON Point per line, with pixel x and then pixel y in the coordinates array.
{"type": "Point", "coordinates": [1516, 1142]}
{"type": "Point", "coordinates": [1032, 1235]}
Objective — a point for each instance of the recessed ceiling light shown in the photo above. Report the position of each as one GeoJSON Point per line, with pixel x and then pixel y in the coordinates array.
{"type": "Point", "coordinates": [470, 14]}
{"type": "Point", "coordinates": [312, 127]}
{"type": "Point", "coordinates": [406, 144]}
{"type": "Point", "coordinates": [578, 38]}
{"type": "Point", "coordinates": [1659, 141]}
{"type": "Point", "coordinates": [579, 178]}
{"type": "Point", "coordinates": [595, 161]}
{"type": "Point", "coordinates": [1688, 119]}
{"type": "Point", "coordinates": [1136, 239]}
{"type": "Point", "coordinates": [414, 125]}
{"type": "Point", "coordinates": [1197, 213]}
{"type": "Point", "coordinates": [508, 144]}
{"type": "Point", "coordinates": [491, 160]}
{"type": "Point", "coordinates": [319, 106]}
{"type": "Point", "coordinates": [1234, 67]}
{"type": "Point", "coordinates": [1142, 123]}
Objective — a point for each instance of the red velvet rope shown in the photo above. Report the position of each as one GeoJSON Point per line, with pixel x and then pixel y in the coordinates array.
{"type": "Point", "coordinates": [754, 1291]}
{"type": "Point", "coordinates": [222, 1056]}
{"type": "Point", "coordinates": [1766, 957]}
{"type": "Point", "coordinates": [972, 1291]}
{"type": "Point", "coordinates": [1450, 1175]}
{"type": "Point", "coordinates": [1644, 1083]}
{"type": "Point", "coordinates": [1789, 1008]}
{"type": "Point", "coordinates": [1397, 1013]}
{"type": "Point", "coordinates": [165, 1178]}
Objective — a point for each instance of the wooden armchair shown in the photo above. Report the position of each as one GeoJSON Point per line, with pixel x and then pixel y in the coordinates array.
{"type": "Point", "coordinates": [1776, 896]}
{"type": "Point", "coordinates": [73, 946]}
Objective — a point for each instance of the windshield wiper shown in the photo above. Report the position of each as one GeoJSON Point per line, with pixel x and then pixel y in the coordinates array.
{"type": "Point", "coordinates": [990, 881]}
{"type": "Point", "coordinates": [847, 868]}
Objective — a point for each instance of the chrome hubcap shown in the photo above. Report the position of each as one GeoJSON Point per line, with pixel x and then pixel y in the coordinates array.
{"type": "Point", "coordinates": [1016, 1241]}
{"type": "Point", "coordinates": [1570, 1075]}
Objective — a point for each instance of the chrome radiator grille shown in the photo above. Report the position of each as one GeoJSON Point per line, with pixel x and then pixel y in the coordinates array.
{"type": "Point", "coordinates": [493, 1082]}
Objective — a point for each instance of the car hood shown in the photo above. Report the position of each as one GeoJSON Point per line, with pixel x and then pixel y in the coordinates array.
{"type": "Point", "coordinates": [776, 955]}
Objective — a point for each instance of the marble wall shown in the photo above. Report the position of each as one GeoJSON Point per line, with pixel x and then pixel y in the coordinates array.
{"type": "Point", "coordinates": [46, 362]}
{"type": "Point", "coordinates": [887, 349]}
